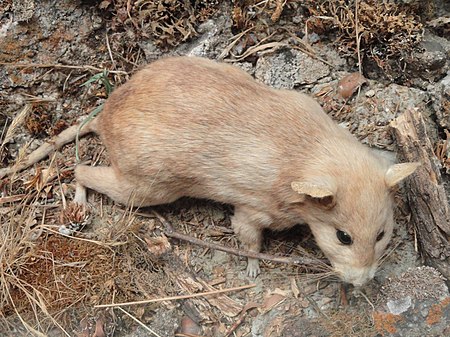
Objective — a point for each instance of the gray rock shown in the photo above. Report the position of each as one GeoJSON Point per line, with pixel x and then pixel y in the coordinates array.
{"type": "Point", "coordinates": [440, 96]}
{"type": "Point", "coordinates": [399, 306]}
{"type": "Point", "coordinates": [416, 303]}
{"type": "Point", "coordinates": [429, 60]}
{"type": "Point", "coordinates": [289, 68]}
{"type": "Point", "coordinates": [375, 113]}
{"type": "Point", "coordinates": [214, 38]}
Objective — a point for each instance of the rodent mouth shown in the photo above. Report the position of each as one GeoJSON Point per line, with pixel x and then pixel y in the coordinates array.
{"type": "Point", "coordinates": [356, 276]}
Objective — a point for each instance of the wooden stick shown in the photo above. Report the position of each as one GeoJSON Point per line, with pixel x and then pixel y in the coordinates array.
{"type": "Point", "coordinates": [311, 263]}
{"type": "Point", "coordinates": [425, 191]}
{"type": "Point", "coordinates": [58, 66]}
{"type": "Point", "coordinates": [174, 298]}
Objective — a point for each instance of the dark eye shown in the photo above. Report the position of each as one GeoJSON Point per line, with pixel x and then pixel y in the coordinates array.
{"type": "Point", "coordinates": [344, 237]}
{"type": "Point", "coordinates": [380, 236]}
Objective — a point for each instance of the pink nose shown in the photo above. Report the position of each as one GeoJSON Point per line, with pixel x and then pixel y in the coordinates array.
{"type": "Point", "coordinates": [356, 276]}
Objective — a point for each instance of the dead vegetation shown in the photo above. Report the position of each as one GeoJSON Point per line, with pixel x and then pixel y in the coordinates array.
{"type": "Point", "coordinates": [168, 22]}
{"type": "Point", "coordinates": [45, 276]}
{"type": "Point", "coordinates": [382, 31]}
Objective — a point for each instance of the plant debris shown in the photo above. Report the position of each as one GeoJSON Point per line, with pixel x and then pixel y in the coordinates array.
{"type": "Point", "coordinates": [167, 22]}
{"type": "Point", "coordinates": [380, 31]}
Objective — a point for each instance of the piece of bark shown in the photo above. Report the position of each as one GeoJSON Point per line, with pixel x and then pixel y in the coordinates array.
{"type": "Point", "coordinates": [425, 191]}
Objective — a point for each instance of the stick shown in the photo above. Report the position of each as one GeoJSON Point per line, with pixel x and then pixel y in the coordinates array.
{"type": "Point", "coordinates": [58, 66]}
{"type": "Point", "coordinates": [311, 263]}
{"type": "Point", "coordinates": [63, 138]}
{"type": "Point", "coordinates": [174, 298]}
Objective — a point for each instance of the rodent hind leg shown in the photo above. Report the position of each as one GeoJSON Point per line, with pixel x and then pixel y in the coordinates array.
{"type": "Point", "coordinates": [105, 180]}
{"type": "Point", "coordinates": [247, 226]}
{"type": "Point", "coordinates": [102, 179]}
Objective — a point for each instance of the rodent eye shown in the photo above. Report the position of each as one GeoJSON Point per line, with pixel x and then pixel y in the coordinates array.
{"type": "Point", "coordinates": [380, 236]}
{"type": "Point", "coordinates": [344, 237]}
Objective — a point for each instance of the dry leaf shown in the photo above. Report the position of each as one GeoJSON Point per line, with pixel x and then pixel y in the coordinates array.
{"type": "Point", "coordinates": [349, 84]}
{"type": "Point", "coordinates": [189, 327]}
{"type": "Point", "coordinates": [99, 331]}
{"type": "Point", "coordinates": [277, 13]}
{"type": "Point", "coordinates": [158, 246]}
{"type": "Point", "coordinates": [271, 302]}
{"type": "Point", "coordinates": [294, 287]}
{"type": "Point", "coordinates": [104, 4]}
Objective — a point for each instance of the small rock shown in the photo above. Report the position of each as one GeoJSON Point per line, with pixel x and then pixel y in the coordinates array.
{"type": "Point", "coordinates": [440, 94]}
{"type": "Point", "coordinates": [370, 93]}
{"type": "Point", "coordinates": [399, 306]}
{"type": "Point", "coordinates": [23, 10]}
{"type": "Point", "coordinates": [289, 68]}
{"type": "Point", "coordinates": [298, 19]}
{"type": "Point", "coordinates": [429, 60]}
{"type": "Point", "coordinates": [313, 38]}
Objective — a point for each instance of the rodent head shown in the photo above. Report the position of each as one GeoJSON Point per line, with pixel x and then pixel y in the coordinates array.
{"type": "Point", "coordinates": [352, 222]}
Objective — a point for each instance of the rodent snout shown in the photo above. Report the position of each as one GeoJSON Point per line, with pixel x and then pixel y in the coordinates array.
{"type": "Point", "coordinates": [356, 276]}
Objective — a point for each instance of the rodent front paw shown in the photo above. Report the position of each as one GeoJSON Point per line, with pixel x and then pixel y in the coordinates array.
{"type": "Point", "coordinates": [253, 269]}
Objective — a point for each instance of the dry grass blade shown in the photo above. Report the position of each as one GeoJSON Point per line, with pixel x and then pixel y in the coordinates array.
{"type": "Point", "coordinates": [16, 245]}
{"type": "Point", "coordinates": [236, 39]}
{"type": "Point", "coordinates": [174, 298]}
{"type": "Point", "coordinates": [16, 123]}
{"type": "Point", "coordinates": [388, 253]}
{"type": "Point", "coordinates": [252, 50]}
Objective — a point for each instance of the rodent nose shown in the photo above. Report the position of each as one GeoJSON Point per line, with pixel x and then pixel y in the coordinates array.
{"type": "Point", "coordinates": [356, 276]}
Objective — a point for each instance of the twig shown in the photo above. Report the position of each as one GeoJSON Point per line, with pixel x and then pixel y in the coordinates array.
{"type": "Point", "coordinates": [241, 318]}
{"type": "Point", "coordinates": [358, 40]}
{"type": "Point", "coordinates": [59, 66]}
{"type": "Point", "coordinates": [302, 261]}
{"type": "Point", "coordinates": [12, 198]}
{"type": "Point", "coordinates": [366, 298]}
{"type": "Point", "coordinates": [316, 307]}
{"type": "Point", "coordinates": [307, 49]}
{"type": "Point", "coordinates": [343, 295]}
{"type": "Point", "coordinates": [174, 298]}
{"type": "Point", "coordinates": [109, 50]}
{"type": "Point", "coordinates": [228, 48]}
{"type": "Point", "coordinates": [139, 322]}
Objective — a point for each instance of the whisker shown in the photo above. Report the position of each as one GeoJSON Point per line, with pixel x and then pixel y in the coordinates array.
{"type": "Point", "coordinates": [388, 253]}
{"type": "Point", "coordinates": [329, 276]}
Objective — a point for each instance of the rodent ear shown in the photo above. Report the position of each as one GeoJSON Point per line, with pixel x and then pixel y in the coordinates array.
{"type": "Point", "coordinates": [396, 173]}
{"type": "Point", "coordinates": [321, 193]}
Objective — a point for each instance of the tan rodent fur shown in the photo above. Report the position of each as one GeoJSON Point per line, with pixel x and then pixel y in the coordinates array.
{"type": "Point", "coordinates": [189, 126]}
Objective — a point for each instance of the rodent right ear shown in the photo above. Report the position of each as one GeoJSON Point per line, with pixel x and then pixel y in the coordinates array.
{"type": "Point", "coordinates": [396, 173]}
{"type": "Point", "coordinates": [321, 193]}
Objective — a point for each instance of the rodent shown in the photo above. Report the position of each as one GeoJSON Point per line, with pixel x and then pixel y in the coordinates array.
{"type": "Point", "coordinates": [187, 126]}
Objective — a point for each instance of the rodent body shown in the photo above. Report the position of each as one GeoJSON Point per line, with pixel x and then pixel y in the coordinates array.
{"type": "Point", "coordinates": [193, 127]}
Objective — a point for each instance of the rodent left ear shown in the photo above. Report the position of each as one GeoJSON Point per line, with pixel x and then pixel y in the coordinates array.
{"type": "Point", "coordinates": [316, 192]}
{"type": "Point", "coordinates": [396, 173]}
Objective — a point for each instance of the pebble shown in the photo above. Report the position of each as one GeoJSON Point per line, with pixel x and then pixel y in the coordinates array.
{"type": "Point", "coordinates": [370, 93]}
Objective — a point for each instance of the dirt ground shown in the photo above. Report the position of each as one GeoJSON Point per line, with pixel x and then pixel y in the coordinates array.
{"type": "Point", "coordinates": [58, 60]}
